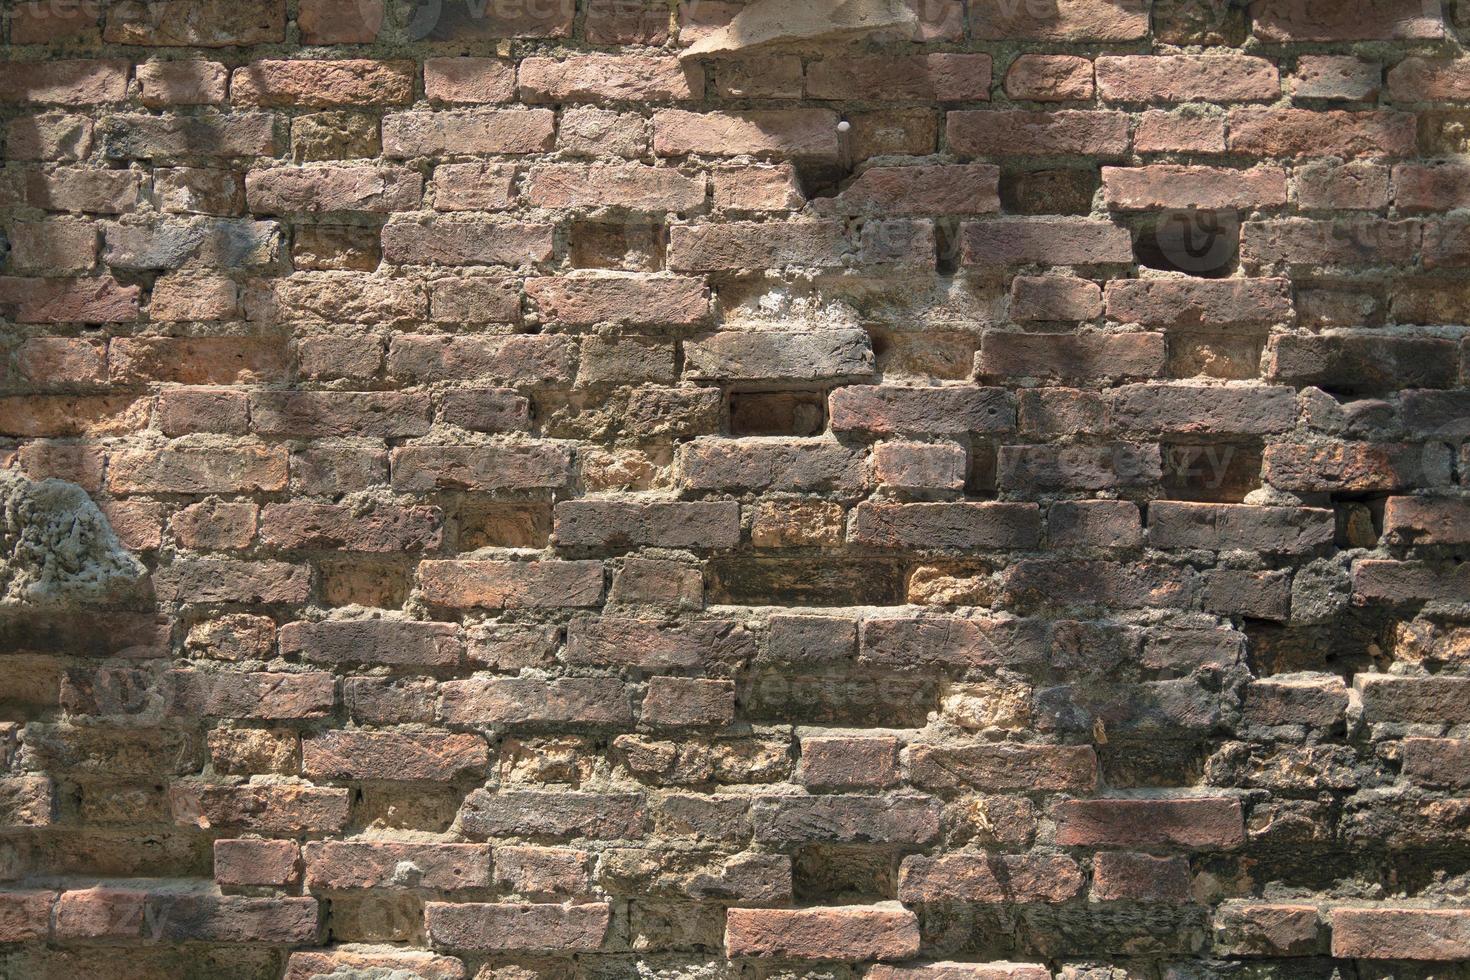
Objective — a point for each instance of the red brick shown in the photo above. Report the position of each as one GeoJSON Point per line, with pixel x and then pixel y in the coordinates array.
{"type": "Point", "coordinates": [215, 525]}
{"type": "Point", "coordinates": [989, 878]}
{"type": "Point", "coordinates": [589, 702]}
{"type": "Point", "coordinates": [1355, 20]}
{"type": "Point", "coordinates": [1158, 131]}
{"type": "Point", "coordinates": [100, 913]}
{"type": "Point", "coordinates": [197, 469]}
{"type": "Point", "coordinates": [63, 82]}
{"type": "Point", "coordinates": [1185, 78]}
{"type": "Point", "coordinates": [1049, 78]}
{"type": "Point", "coordinates": [323, 84]}
{"type": "Point", "coordinates": [1401, 934]}
{"type": "Point", "coordinates": [609, 77]}
{"type": "Point", "coordinates": [841, 762]}
{"type": "Point", "coordinates": [852, 932]}
{"type": "Point", "coordinates": [1436, 761]}
{"type": "Point", "coordinates": [1067, 20]}
{"type": "Point", "coordinates": [98, 300]}
{"type": "Point", "coordinates": [1197, 302]}
{"type": "Point", "coordinates": [332, 188]}
{"type": "Point", "coordinates": [632, 186]}
{"type": "Point", "coordinates": [510, 467]}
{"type": "Point", "coordinates": [221, 580]}
{"type": "Point", "coordinates": [1139, 878]}
{"type": "Point", "coordinates": [923, 77]}
{"type": "Point", "coordinates": [1203, 823]}
{"type": "Point", "coordinates": [340, 21]}
{"type": "Point", "coordinates": [511, 927]}
{"type": "Point", "coordinates": [679, 702]}
{"type": "Point", "coordinates": [1349, 466]}
{"type": "Point", "coordinates": [1165, 185]}
{"type": "Point", "coordinates": [926, 190]}
{"type": "Point", "coordinates": [1080, 356]}
{"type": "Point", "coordinates": [1010, 132]}
{"type": "Point", "coordinates": [1340, 77]}
{"type": "Point", "coordinates": [25, 915]}
{"type": "Point", "coordinates": [469, 81]}
{"type": "Point", "coordinates": [272, 863]}
{"type": "Point", "coordinates": [511, 585]}
{"type": "Point", "coordinates": [792, 133]}
{"type": "Point", "coordinates": [399, 756]}
{"type": "Point", "coordinates": [265, 809]}
{"type": "Point", "coordinates": [1264, 929]}
{"type": "Point", "coordinates": [350, 865]}
{"type": "Point", "coordinates": [453, 240]}
{"type": "Point", "coordinates": [418, 133]}
{"type": "Point", "coordinates": [1049, 241]}
{"type": "Point", "coordinates": [1312, 133]}
{"type": "Point", "coordinates": [191, 23]}
{"type": "Point", "coordinates": [337, 527]}
{"type": "Point", "coordinates": [39, 22]}
{"type": "Point", "coordinates": [170, 83]}
{"type": "Point", "coordinates": [1359, 186]}
{"type": "Point", "coordinates": [1004, 767]}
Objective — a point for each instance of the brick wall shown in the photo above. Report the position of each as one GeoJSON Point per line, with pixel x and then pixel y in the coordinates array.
{"type": "Point", "coordinates": [988, 498]}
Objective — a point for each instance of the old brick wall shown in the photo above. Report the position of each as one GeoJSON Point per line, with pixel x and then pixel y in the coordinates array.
{"type": "Point", "coordinates": [992, 497]}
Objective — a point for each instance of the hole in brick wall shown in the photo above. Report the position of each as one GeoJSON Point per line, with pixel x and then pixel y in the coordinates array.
{"type": "Point", "coordinates": [358, 582]}
{"type": "Point", "coordinates": [490, 524]}
{"type": "Point", "coordinates": [617, 245]}
{"type": "Point", "coordinates": [777, 413]}
{"type": "Point", "coordinates": [804, 582]}
{"type": "Point", "coordinates": [980, 480]}
{"type": "Point", "coordinates": [817, 179]}
{"type": "Point", "coordinates": [1214, 472]}
{"type": "Point", "coordinates": [1198, 243]}
{"type": "Point", "coordinates": [1359, 519]}
{"type": "Point", "coordinates": [834, 875]}
{"type": "Point", "coordinates": [1048, 191]}
{"type": "Point", "coordinates": [948, 250]}
{"type": "Point", "coordinates": [844, 699]}
{"type": "Point", "coordinates": [1232, 356]}
{"type": "Point", "coordinates": [1130, 764]}
{"type": "Point", "coordinates": [930, 354]}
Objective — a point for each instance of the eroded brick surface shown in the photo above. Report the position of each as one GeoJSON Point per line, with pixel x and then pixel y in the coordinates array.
{"type": "Point", "coordinates": [980, 497]}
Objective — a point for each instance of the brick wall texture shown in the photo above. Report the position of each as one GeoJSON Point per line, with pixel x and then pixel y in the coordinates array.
{"type": "Point", "coordinates": [981, 502]}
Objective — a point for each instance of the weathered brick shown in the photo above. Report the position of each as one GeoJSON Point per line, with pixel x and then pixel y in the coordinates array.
{"type": "Point", "coordinates": [1067, 20]}
{"type": "Point", "coordinates": [1309, 133]}
{"type": "Point", "coordinates": [1299, 20]}
{"type": "Point", "coordinates": [790, 133]}
{"type": "Point", "coordinates": [925, 77]}
{"type": "Point", "coordinates": [609, 77]}
{"type": "Point", "coordinates": [1197, 302]}
{"type": "Point", "coordinates": [989, 878]}
{"type": "Point", "coordinates": [511, 585]}
{"type": "Point", "coordinates": [190, 23]}
{"type": "Point", "coordinates": [1011, 132]}
{"type": "Point", "coordinates": [1183, 78]}
{"type": "Point", "coordinates": [272, 863]}
{"type": "Point", "coordinates": [1164, 185]}
{"type": "Point", "coordinates": [854, 932]}
{"type": "Point", "coordinates": [1048, 241]}
{"type": "Point", "coordinates": [510, 927]}
{"type": "Point", "coordinates": [945, 526]}
{"type": "Point", "coordinates": [1049, 78]}
{"type": "Point", "coordinates": [323, 84]}
{"type": "Point", "coordinates": [520, 701]}
{"type": "Point", "coordinates": [1401, 934]}
{"type": "Point", "coordinates": [63, 82]}
{"type": "Point", "coordinates": [771, 464]}
{"type": "Point", "coordinates": [349, 865]}
{"type": "Point", "coordinates": [1203, 823]}
{"type": "Point", "coordinates": [1211, 409]}
{"type": "Point", "coordinates": [399, 756]}
{"type": "Point", "coordinates": [412, 134]}
{"type": "Point", "coordinates": [620, 524]}
{"type": "Point", "coordinates": [1004, 767]}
